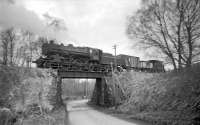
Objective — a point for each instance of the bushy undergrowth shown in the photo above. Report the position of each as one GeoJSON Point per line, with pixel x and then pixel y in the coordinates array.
{"type": "Point", "coordinates": [24, 89]}
{"type": "Point", "coordinates": [175, 93]}
{"type": "Point", "coordinates": [9, 78]}
{"type": "Point", "coordinates": [121, 85]}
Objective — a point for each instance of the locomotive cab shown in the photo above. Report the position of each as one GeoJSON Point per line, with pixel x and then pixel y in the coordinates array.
{"type": "Point", "coordinates": [95, 55]}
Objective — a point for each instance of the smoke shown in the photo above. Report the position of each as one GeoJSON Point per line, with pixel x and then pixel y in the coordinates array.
{"type": "Point", "coordinates": [56, 23]}
{"type": "Point", "coordinates": [8, 1]}
{"type": "Point", "coordinates": [13, 15]}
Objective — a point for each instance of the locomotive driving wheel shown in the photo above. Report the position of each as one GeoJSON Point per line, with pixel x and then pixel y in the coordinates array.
{"type": "Point", "coordinates": [94, 68]}
{"type": "Point", "coordinates": [84, 67]}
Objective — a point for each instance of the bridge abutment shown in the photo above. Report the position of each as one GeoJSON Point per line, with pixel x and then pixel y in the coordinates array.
{"type": "Point", "coordinates": [59, 101]}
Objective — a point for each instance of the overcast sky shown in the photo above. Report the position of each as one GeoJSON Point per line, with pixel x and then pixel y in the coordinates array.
{"type": "Point", "coordinates": [93, 23]}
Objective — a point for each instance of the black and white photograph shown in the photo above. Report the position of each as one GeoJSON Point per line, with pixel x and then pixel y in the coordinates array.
{"type": "Point", "coordinates": [99, 62]}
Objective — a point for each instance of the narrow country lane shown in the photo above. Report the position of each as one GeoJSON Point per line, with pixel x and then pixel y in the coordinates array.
{"type": "Point", "coordinates": [79, 113]}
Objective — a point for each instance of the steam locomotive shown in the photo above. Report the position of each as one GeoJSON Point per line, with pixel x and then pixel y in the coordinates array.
{"type": "Point", "coordinates": [71, 58]}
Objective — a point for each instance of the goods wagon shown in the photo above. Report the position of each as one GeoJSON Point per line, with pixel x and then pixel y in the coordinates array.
{"type": "Point", "coordinates": [128, 62]}
{"type": "Point", "coordinates": [151, 66]}
{"type": "Point", "coordinates": [108, 58]}
{"type": "Point", "coordinates": [125, 61]}
{"type": "Point", "coordinates": [156, 66]}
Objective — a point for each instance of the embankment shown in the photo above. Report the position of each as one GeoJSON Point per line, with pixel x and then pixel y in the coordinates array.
{"type": "Point", "coordinates": [165, 98]}
{"type": "Point", "coordinates": [29, 94]}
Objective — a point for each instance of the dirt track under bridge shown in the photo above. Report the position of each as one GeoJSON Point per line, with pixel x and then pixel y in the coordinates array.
{"type": "Point", "coordinates": [79, 113]}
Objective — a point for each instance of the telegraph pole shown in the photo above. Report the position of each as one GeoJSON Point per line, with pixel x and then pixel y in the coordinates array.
{"type": "Point", "coordinates": [115, 65]}
{"type": "Point", "coordinates": [115, 48]}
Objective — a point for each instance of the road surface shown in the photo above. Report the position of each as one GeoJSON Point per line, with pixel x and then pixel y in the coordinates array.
{"type": "Point", "coordinates": [79, 113]}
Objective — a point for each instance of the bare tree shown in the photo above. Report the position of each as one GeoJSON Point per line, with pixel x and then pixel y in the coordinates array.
{"type": "Point", "coordinates": [191, 28]}
{"type": "Point", "coordinates": [4, 49]}
{"type": "Point", "coordinates": [164, 25]}
{"type": "Point", "coordinates": [30, 48]}
{"type": "Point", "coordinates": [29, 43]}
{"type": "Point", "coordinates": [8, 39]}
{"type": "Point", "coordinates": [37, 46]}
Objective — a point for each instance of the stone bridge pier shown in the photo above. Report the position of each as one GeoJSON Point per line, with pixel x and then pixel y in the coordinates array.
{"type": "Point", "coordinates": [99, 92]}
{"type": "Point", "coordinates": [102, 94]}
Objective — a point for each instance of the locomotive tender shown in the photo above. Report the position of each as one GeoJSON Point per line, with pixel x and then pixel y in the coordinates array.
{"type": "Point", "coordinates": [88, 59]}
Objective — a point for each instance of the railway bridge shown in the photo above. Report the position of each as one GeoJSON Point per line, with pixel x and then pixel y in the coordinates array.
{"type": "Point", "coordinates": [99, 89]}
